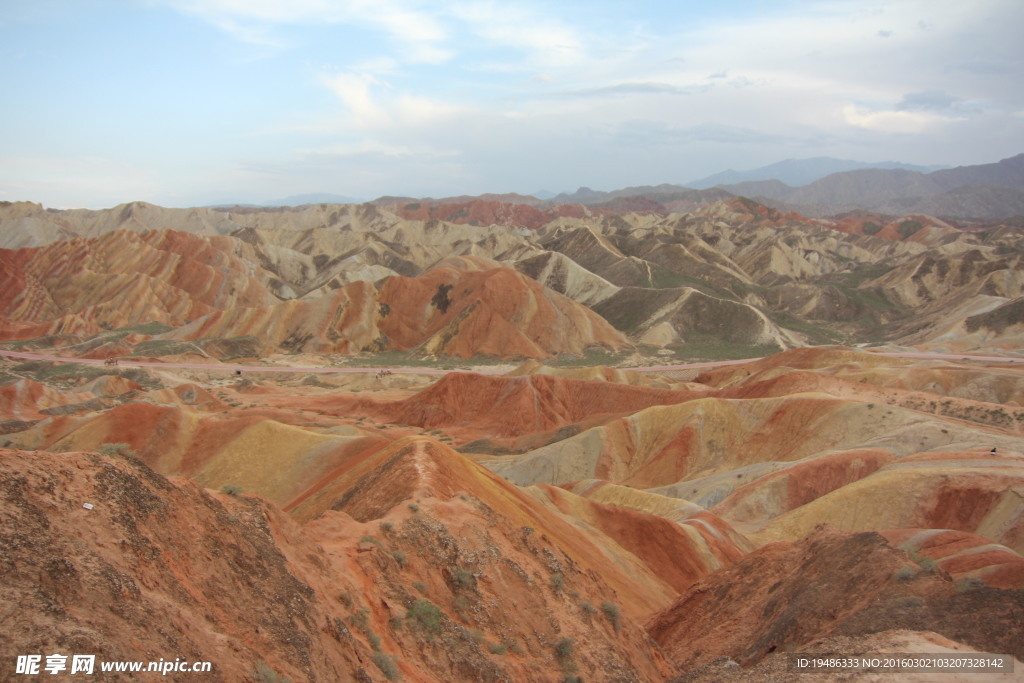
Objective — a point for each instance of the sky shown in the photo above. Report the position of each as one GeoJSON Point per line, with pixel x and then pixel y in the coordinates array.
{"type": "Point", "coordinates": [199, 102]}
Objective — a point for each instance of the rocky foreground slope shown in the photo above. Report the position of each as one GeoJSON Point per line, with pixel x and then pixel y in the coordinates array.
{"type": "Point", "coordinates": [345, 527]}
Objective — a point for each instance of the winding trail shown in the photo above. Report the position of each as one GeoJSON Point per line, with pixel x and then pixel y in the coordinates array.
{"type": "Point", "coordinates": [483, 370]}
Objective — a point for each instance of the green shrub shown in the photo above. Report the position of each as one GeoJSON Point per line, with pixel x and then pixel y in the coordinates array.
{"type": "Point", "coordinates": [231, 489]}
{"type": "Point", "coordinates": [924, 562]}
{"type": "Point", "coordinates": [564, 650]}
{"type": "Point", "coordinates": [361, 620]}
{"type": "Point", "coordinates": [969, 583]}
{"type": "Point", "coordinates": [426, 616]}
{"type": "Point", "coordinates": [122, 449]}
{"type": "Point", "coordinates": [462, 604]}
{"type": "Point", "coordinates": [611, 613]}
{"type": "Point", "coordinates": [563, 653]}
{"type": "Point", "coordinates": [388, 665]}
{"type": "Point", "coordinates": [463, 578]}
{"type": "Point", "coordinates": [908, 602]}
{"type": "Point", "coordinates": [904, 574]}
{"type": "Point", "coordinates": [264, 673]}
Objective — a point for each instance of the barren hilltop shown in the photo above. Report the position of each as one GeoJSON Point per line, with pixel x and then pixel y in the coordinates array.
{"type": "Point", "coordinates": [686, 438]}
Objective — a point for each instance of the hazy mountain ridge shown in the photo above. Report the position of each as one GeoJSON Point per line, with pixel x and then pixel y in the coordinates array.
{"type": "Point", "coordinates": [986, 191]}
{"type": "Point", "coordinates": [797, 172]}
{"type": "Point", "coordinates": [814, 187]}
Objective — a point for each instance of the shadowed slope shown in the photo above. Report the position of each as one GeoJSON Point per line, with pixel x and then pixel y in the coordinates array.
{"type": "Point", "coordinates": [786, 595]}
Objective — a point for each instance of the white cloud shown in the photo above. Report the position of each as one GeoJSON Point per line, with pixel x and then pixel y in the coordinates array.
{"type": "Point", "coordinates": [893, 121]}
{"type": "Point", "coordinates": [372, 106]}
{"type": "Point", "coordinates": [417, 33]}
{"type": "Point", "coordinates": [354, 92]}
{"type": "Point", "coordinates": [546, 41]}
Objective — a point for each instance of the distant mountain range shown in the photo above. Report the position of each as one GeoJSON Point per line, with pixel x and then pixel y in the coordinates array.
{"type": "Point", "coordinates": [820, 186]}
{"type": "Point", "coordinates": [985, 191]}
{"type": "Point", "coordinates": [797, 172]}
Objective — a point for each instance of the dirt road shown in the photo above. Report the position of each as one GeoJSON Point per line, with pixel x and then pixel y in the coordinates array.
{"type": "Point", "coordinates": [483, 370]}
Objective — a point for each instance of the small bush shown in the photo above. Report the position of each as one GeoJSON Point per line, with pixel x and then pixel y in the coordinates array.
{"type": "Point", "coordinates": [263, 673]}
{"type": "Point", "coordinates": [463, 578]}
{"type": "Point", "coordinates": [563, 652]}
{"type": "Point", "coordinates": [969, 583]}
{"type": "Point", "coordinates": [924, 562]}
{"type": "Point", "coordinates": [399, 558]}
{"type": "Point", "coordinates": [387, 526]}
{"type": "Point", "coordinates": [414, 507]}
{"type": "Point", "coordinates": [611, 613]}
{"type": "Point", "coordinates": [557, 582]}
{"type": "Point", "coordinates": [231, 489]}
{"type": "Point", "coordinates": [908, 602]}
{"type": "Point", "coordinates": [421, 587]}
{"type": "Point", "coordinates": [588, 608]}
{"type": "Point", "coordinates": [497, 648]}
{"type": "Point", "coordinates": [387, 665]}
{"type": "Point", "coordinates": [904, 574]}
{"type": "Point", "coordinates": [425, 615]}
{"type": "Point", "coordinates": [361, 620]}
{"type": "Point", "coordinates": [462, 604]}
{"type": "Point", "coordinates": [122, 449]}
{"type": "Point", "coordinates": [564, 649]}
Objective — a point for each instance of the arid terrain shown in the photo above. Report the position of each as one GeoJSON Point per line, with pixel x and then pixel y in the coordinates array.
{"type": "Point", "coordinates": [476, 442]}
